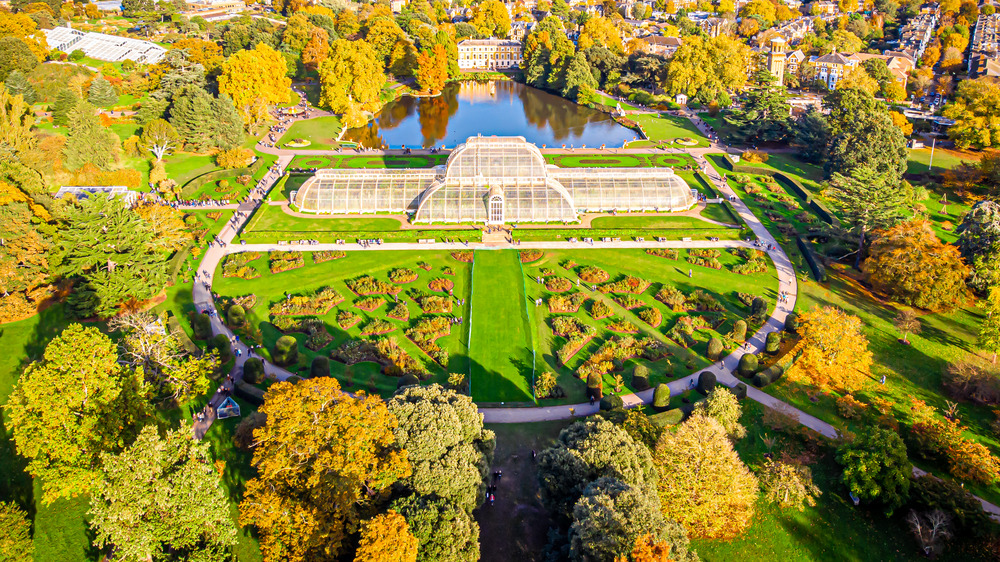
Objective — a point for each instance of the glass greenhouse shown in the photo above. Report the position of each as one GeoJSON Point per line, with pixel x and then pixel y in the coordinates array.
{"type": "Point", "coordinates": [494, 180]}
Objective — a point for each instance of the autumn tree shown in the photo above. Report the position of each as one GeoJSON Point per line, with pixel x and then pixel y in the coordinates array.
{"type": "Point", "coordinates": [835, 352]}
{"type": "Point", "coordinates": [386, 538]}
{"type": "Point", "coordinates": [706, 68]}
{"type": "Point", "coordinates": [975, 109]}
{"type": "Point", "coordinates": [159, 137]}
{"type": "Point", "coordinates": [979, 243]}
{"type": "Point", "coordinates": [491, 18]}
{"type": "Point", "coordinates": [323, 457]}
{"type": "Point", "coordinates": [723, 405]}
{"type": "Point", "coordinates": [442, 433]}
{"type": "Point", "coordinates": [989, 330]}
{"type": "Point", "coordinates": [162, 499]}
{"type": "Point", "coordinates": [600, 31]}
{"type": "Point", "coordinates": [255, 80]}
{"type": "Point", "coordinates": [316, 49]}
{"type": "Point", "coordinates": [199, 51]}
{"type": "Point", "coordinates": [351, 79]}
{"type": "Point", "coordinates": [15, 541]}
{"type": "Point", "coordinates": [648, 549]}
{"type": "Point", "coordinates": [907, 322]}
{"type": "Point", "coordinates": [17, 84]}
{"type": "Point", "coordinates": [876, 467]}
{"type": "Point", "coordinates": [432, 69]}
{"type": "Point", "coordinates": [101, 93]}
{"type": "Point", "coordinates": [703, 483]}
{"type": "Point", "coordinates": [788, 485]}
{"type": "Point", "coordinates": [909, 263]}
{"type": "Point", "coordinates": [74, 404]}
{"type": "Point", "coordinates": [112, 255]}
{"type": "Point", "coordinates": [869, 200]}
{"type": "Point", "coordinates": [25, 265]}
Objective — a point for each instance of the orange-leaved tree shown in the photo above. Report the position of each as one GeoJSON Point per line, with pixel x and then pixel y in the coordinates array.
{"type": "Point", "coordinates": [387, 538]}
{"type": "Point", "coordinates": [255, 80]}
{"type": "Point", "coordinates": [647, 549]}
{"type": "Point", "coordinates": [323, 457]}
{"type": "Point", "coordinates": [432, 69]}
{"type": "Point", "coordinates": [835, 353]}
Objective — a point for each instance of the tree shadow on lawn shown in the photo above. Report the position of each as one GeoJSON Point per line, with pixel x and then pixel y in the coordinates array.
{"type": "Point", "coordinates": [492, 386]}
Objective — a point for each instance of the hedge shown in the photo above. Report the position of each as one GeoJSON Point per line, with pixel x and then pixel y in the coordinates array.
{"type": "Point", "coordinates": [706, 382]}
{"type": "Point", "coordinates": [795, 185]}
{"type": "Point", "coordinates": [175, 328]}
{"type": "Point", "coordinates": [320, 367]}
{"type": "Point", "coordinates": [202, 326]}
{"type": "Point", "coordinates": [640, 377]}
{"type": "Point", "coordinates": [818, 271]}
{"type": "Point", "coordinates": [661, 397]}
{"type": "Point", "coordinates": [612, 402]}
{"type": "Point", "coordinates": [407, 380]}
{"type": "Point", "coordinates": [250, 393]}
{"type": "Point", "coordinates": [668, 418]}
{"type": "Point", "coordinates": [177, 260]}
{"type": "Point", "coordinates": [253, 371]}
{"type": "Point", "coordinates": [773, 342]}
{"type": "Point", "coordinates": [740, 391]}
{"type": "Point", "coordinates": [748, 365]}
{"type": "Point", "coordinates": [286, 351]}
{"type": "Point", "coordinates": [192, 186]}
{"type": "Point", "coordinates": [236, 316]}
{"type": "Point", "coordinates": [714, 348]}
{"type": "Point", "coordinates": [792, 323]}
{"type": "Point", "coordinates": [221, 344]}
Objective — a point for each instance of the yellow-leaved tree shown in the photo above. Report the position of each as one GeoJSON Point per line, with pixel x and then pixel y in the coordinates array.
{"type": "Point", "coordinates": [255, 80]}
{"type": "Point", "coordinates": [835, 353]}
{"type": "Point", "coordinates": [322, 459]}
{"type": "Point", "coordinates": [647, 549]}
{"type": "Point", "coordinates": [387, 538]}
{"type": "Point", "coordinates": [703, 484]}
{"type": "Point", "coordinates": [351, 80]}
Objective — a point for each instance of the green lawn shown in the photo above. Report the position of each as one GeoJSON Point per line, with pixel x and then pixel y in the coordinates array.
{"type": "Point", "coordinates": [364, 161]}
{"type": "Point", "coordinates": [663, 127]}
{"type": "Point", "coordinates": [500, 349]}
{"type": "Point", "coordinates": [273, 218]}
{"type": "Point", "coordinates": [612, 160]}
{"type": "Point", "coordinates": [182, 167]}
{"type": "Point", "coordinates": [321, 132]}
{"type": "Point", "coordinates": [944, 159]}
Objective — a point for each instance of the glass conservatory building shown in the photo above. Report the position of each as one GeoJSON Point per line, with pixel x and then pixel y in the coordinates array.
{"type": "Point", "coordinates": [494, 180]}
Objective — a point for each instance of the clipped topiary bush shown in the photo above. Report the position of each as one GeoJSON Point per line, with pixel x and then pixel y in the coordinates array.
{"type": "Point", "coordinates": [748, 365]}
{"type": "Point", "coordinates": [236, 316]}
{"type": "Point", "coordinates": [760, 380]}
{"type": "Point", "coordinates": [253, 371]}
{"type": "Point", "coordinates": [286, 351]}
{"type": "Point", "coordinates": [640, 377]}
{"type": "Point", "coordinates": [714, 348]}
{"type": "Point", "coordinates": [320, 367]}
{"type": "Point", "coordinates": [740, 391]}
{"type": "Point", "coordinates": [202, 326]}
{"type": "Point", "coordinates": [661, 397]}
{"type": "Point", "coordinates": [792, 323]}
{"type": "Point", "coordinates": [595, 386]}
{"type": "Point", "coordinates": [668, 418]}
{"type": "Point", "coordinates": [706, 382]}
{"type": "Point", "coordinates": [758, 308]}
{"type": "Point", "coordinates": [773, 373]}
{"type": "Point", "coordinates": [612, 402]}
{"type": "Point", "coordinates": [220, 344]}
{"type": "Point", "coordinates": [407, 380]}
{"type": "Point", "coordinates": [740, 330]}
{"type": "Point", "coordinates": [773, 343]}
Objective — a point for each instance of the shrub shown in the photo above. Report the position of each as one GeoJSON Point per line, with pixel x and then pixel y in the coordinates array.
{"type": "Point", "coordinates": [320, 367]}
{"type": "Point", "coordinates": [220, 343]}
{"type": "Point", "coordinates": [402, 275]}
{"type": "Point", "coordinates": [235, 158]}
{"type": "Point", "coordinates": [236, 316]}
{"type": "Point", "coordinates": [612, 402]}
{"type": "Point", "coordinates": [792, 323]}
{"type": "Point", "coordinates": [202, 326]}
{"type": "Point", "coordinates": [848, 407]}
{"type": "Point", "coordinates": [253, 371]}
{"type": "Point", "coordinates": [740, 391]}
{"type": "Point", "coordinates": [668, 418]}
{"type": "Point", "coordinates": [754, 156]}
{"type": "Point", "coordinates": [595, 386]}
{"type": "Point", "coordinates": [651, 316]}
{"type": "Point", "coordinates": [758, 308]}
{"type": "Point", "coordinates": [774, 372]}
{"type": "Point", "coordinates": [592, 274]}
{"type": "Point", "coordinates": [661, 397]}
{"type": "Point", "coordinates": [706, 382]}
{"type": "Point", "coordinates": [714, 348]}
{"type": "Point", "coordinates": [600, 310]}
{"type": "Point", "coordinates": [640, 377]}
{"type": "Point", "coordinates": [558, 284]}
{"type": "Point", "coordinates": [530, 255]}
{"type": "Point", "coordinates": [407, 380]}
{"type": "Point", "coordinates": [672, 297]}
{"type": "Point", "coordinates": [739, 332]}
{"type": "Point", "coordinates": [748, 365]}
{"type": "Point", "coordinates": [773, 343]}
{"type": "Point", "coordinates": [286, 351]}
{"type": "Point", "coordinates": [760, 380]}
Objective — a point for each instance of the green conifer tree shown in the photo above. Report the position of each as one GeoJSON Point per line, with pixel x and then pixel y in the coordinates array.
{"type": "Point", "coordinates": [65, 102]}
{"type": "Point", "coordinates": [228, 125]}
{"type": "Point", "coordinates": [191, 114]}
{"type": "Point", "coordinates": [89, 141]}
{"type": "Point", "coordinates": [18, 85]}
{"type": "Point", "coordinates": [101, 93]}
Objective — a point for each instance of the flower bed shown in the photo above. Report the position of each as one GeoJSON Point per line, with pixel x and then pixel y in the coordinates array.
{"type": "Point", "coordinates": [238, 265]}
{"type": "Point", "coordinates": [710, 263]}
{"type": "Point", "coordinates": [441, 285]}
{"type": "Point", "coordinates": [672, 297]}
{"type": "Point", "coordinates": [433, 304]}
{"type": "Point", "coordinates": [629, 302]}
{"type": "Point", "coordinates": [463, 256]}
{"type": "Point", "coordinates": [545, 272]}
{"type": "Point", "coordinates": [328, 255]}
{"type": "Point", "coordinates": [316, 304]}
{"type": "Point", "coordinates": [424, 265]}
{"type": "Point", "coordinates": [623, 327]}
{"type": "Point", "coordinates": [558, 284]}
{"type": "Point", "coordinates": [369, 303]}
{"type": "Point", "coordinates": [347, 319]}
{"type": "Point", "coordinates": [569, 326]}
{"type": "Point", "coordinates": [317, 337]}
{"type": "Point", "coordinates": [669, 253]}
{"type": "Point", "coordinates": [425, 334]}
{"type": "Point", "coordinates": [705, 253]}
{"type": "Point", "coordinates": [384, 351]}
{"type": "Point", "coordinates": [592, 274]}
{"type": "Point", "coordinates": [246, 301]}
{"type": "Point", "coordinates": [686, 141]}
{"type": "Point", "coordinates": [567, 303]}
{"type": "Point", "coordinates": [402, 275]}
{"type": "Point", "coordinates": [377, 327]}
{"type": "Point", "coordinates": [600, 309]}
{"type": "Point", "coordinates": [368, 285]}
{"type": "Point", "coordinates": [651, 316]}
{"type": "Point", "coordinates": [398, 311]}
{"type": "Point", "coordinates": [629, 284]}
{"type": "Point", "coordinates": [284, 261]}
{"type": "Point", "coordinates": [618, 347]}
{"type": "Point", "coordinates": [756, 261]}
{"type": "Point", "coordinates": [528, 256]}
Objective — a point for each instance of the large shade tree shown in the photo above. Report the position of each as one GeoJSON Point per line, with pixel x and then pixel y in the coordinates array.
{"type": "Point", "coordinates": [74, 404]}
{"type": "Point", "coordinates": [979, 243]}
{"type": "Point", "coordinates": [835, 351]}
{"type": "Point", "coordinates": [446, 532]}
{"type": "Point", "coordinates": [351, 79]}
{"type": "Point", "coordinates": [876, 467]}
{"type": "Point", "coordinates": [255, 80]}
{"type": "Point", "coordinates": [162, 499]}
{"type": "Point", "coordinates": [868, 200]}
{"type": "Point", "coordinates": [862, 135]}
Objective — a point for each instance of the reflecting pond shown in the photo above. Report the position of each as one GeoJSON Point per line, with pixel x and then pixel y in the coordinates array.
{"type": "Point", "coordinates": [501, 108]}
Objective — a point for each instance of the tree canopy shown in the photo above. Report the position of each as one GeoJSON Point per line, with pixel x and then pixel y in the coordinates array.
{"type": "Point", "coordinates": [979, 243]}
{"type": "Point", "coordinates": [975, 108]}
{"type": "Point", "coordinates": [446, 532]}
{"type": "Point", "coordinates": [868, 200]}
{"type": "Point", "coordinates": [387, 538]}
{"type": "Point", "coordinates": [835, 352]}
{"type": "Point", "coordinates": [876, 467]}
{"type": "Point", "coordinates": [255, 80]}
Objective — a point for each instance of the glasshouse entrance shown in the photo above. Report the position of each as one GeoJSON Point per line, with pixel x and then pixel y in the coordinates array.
{"type": "Point", "coordinates": [496, 206]}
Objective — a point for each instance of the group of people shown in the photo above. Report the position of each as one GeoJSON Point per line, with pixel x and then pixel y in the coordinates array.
{"type": "Point", "coordinates": [491, 490]}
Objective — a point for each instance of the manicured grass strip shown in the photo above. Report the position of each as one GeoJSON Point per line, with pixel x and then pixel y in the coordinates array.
{"type": "Point", "coordinates": [272, 217]}
{"type": "Point", "coordinates": [499, 345]}
{"type": "Point", "coordinates": [665, 127]}
{"type": "Point", "coordinates": [321, 132]}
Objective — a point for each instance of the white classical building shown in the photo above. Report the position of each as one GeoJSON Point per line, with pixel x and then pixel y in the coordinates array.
{"type": "Point", "coordinates": [489, 54]}
{"type": "Point", "coordinates": [494, 180]}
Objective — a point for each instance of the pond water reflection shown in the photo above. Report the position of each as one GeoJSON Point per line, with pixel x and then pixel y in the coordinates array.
{"type": "Point", "coordinates": [501, 108]}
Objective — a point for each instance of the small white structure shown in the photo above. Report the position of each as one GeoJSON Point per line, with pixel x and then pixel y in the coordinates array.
{"type": "Point", "coordinates": [681, 99]}
{"type": "Point", "coordinates": [85, 191]}
{"type": "Point", "coordinates": [228, 409]}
